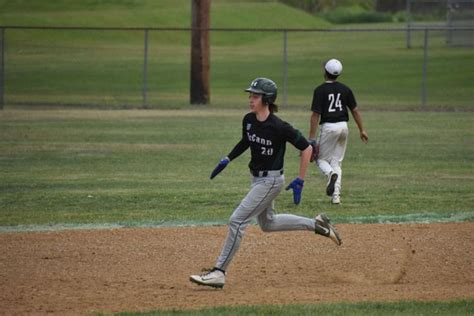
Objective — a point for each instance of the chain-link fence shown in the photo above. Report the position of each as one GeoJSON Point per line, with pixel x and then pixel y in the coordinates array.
{"type": "Point", "coordinates": [450, 13]}
{"type": "Point", "coordinates": [460, 14]}
{"type": "Point", "coordinates": [150, 68]}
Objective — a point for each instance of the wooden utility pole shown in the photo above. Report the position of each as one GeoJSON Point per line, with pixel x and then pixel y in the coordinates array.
{"type": "Point", "coordinates": [200, 49]}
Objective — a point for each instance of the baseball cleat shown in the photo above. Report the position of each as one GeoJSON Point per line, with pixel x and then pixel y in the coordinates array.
{"type": "Point", "coordinates": [324, 227]}
{"type": "Point", "coordinates": [331, 184]}
{"type": "Point", "coordinates": [336, 199]}
{"type": "Point", "coordinates": [214, 278]}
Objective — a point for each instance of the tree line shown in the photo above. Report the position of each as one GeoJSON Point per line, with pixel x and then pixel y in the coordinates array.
{"type": "Point", "coordinates": [318, 6]}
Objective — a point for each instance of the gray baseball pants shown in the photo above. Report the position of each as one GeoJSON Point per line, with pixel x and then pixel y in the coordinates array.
{"type": "Point", "coordinates": [259, 202]}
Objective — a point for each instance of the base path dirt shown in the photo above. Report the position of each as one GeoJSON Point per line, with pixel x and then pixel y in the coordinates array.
{"type": "Point", "coordinates": [80, 272]}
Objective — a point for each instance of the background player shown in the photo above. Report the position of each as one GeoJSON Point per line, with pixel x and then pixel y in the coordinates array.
{"type": "Point", "coordinates": [266, 135]}
{"type": "Point", "coordinates": [330, 103]}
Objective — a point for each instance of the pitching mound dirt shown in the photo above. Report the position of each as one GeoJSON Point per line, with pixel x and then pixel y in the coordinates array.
{"type": "Point", "coordinates": [78, 272]}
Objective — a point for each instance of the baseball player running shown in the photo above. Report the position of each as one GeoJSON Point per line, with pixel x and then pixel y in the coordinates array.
{"type": "Point", "coordinates": [329, 108]}
{"type": "Point", "coordinates": [266, 135]}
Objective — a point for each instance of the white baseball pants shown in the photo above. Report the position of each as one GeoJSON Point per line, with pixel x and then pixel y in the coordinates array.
{"type": "Point", "coordinates": [332, 147]}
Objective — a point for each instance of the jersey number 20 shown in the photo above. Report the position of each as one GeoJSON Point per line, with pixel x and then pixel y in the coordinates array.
{"type": "Point", "coordinates": [267, 151]}
{"type": "Point", "coordinates": [334, 102]}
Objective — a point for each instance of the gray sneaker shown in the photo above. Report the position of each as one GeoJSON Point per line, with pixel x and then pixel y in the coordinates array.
{"type": "Point", "coordinates": [324, 227]}
{"type": "Point", "coordinates": [212, 277]}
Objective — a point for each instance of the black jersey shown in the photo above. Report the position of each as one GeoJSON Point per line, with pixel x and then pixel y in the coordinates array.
{"type": "Point", "coordinates": [267, 141]}
{"type": "Point", "coordinates": [331, 100]}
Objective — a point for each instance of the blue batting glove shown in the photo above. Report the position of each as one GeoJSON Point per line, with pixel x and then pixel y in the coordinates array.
{"type": "Point", "coordinates": [297, 186]}
{"type": "Point", "coordinates": [220, 166]}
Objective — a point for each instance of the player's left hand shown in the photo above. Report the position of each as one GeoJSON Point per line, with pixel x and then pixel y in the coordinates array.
{"type": "Point", "coordinates": [297, 186]}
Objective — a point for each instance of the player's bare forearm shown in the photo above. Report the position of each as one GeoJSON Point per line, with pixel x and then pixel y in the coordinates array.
{"type": "Point", "coordinates": [304, 161]}
{"type": "Point", "coordinates": [358, 119]}
{"type": "Point", "coordinates": [314, 121]}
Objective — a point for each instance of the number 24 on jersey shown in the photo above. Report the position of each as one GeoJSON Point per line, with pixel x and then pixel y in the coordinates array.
{"type": "Point", "coordinates": [334, 102]}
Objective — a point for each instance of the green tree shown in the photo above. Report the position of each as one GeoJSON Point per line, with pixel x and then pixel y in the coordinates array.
{"type": "Point", "coordinates": [390, 5]}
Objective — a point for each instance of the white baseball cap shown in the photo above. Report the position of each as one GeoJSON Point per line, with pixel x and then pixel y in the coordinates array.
{"type": "Point", "coordinates": [334, 67]}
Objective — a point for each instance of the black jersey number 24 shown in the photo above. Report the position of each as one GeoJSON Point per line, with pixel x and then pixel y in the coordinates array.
{"type": "Point", "coordinates": [334, 102]}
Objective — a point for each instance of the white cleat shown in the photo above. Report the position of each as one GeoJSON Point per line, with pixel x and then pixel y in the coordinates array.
{"type": "Point", "coordinates": [336, 199]}
{"type": "Point", "coordinates": [324, 227]}
{"type": "Point", "coordinates": [213, 278]}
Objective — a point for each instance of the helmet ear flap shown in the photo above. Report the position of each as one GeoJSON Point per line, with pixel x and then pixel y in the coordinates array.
{"type": "Point", "coordinates": [268, 99]}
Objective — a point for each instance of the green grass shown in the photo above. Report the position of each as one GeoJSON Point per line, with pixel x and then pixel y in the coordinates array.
{"type": "Point", "coordinates": [355, 309]}
{"type": "Point", "coordinates": [150, 13]}
{"type": "Point", "coordinates": [139, 167]}
{"type": "Point", "coordinates": [106, 68]}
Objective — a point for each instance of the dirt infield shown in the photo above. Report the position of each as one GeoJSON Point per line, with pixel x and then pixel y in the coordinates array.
{"type": "Point", "coordinates": [78, 272]}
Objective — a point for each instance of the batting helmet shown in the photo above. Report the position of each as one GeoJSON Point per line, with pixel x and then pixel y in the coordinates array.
{"type": "Point", "coordinates": [266, 87]}
{"type": "Point", "coordinates": [333, 67]}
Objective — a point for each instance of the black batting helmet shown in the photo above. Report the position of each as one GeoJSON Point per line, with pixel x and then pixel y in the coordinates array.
{"type": "Point", "coordinates": [266, 87]}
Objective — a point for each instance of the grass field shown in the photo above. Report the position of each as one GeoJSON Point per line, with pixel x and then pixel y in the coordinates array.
{"type": "Point", "coordinates": [136, 167]}
{"type": "Point", "coordinates": [106, 68]}
{"type": "Point", "coordinates": [359, 309]}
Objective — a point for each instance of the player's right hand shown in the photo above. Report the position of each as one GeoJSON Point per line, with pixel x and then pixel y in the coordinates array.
{"type": "Point", "coordinates": [220, 166]}
{"type": "Point", "coordinates": [364, 136]}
